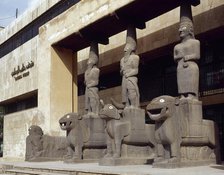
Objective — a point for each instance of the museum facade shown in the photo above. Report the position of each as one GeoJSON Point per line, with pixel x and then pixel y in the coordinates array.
{"type": "Point", "coordinates": [43, 57]}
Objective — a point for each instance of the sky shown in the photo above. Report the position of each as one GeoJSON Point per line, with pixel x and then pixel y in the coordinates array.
{"type": "Point", "coordinates": [8, 9]}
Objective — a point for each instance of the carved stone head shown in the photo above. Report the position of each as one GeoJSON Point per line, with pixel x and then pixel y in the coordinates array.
{"type": "Point", "coordinates": [35, 130]}
{"type": "Point", "coordinates": [161, 108]}
{"type": "Point", "coordinates": [69, 121]}
{"type": "Point", "coordinates": [109, 112]}
{"type": "Point", "coordinates": [186, 21]}
{"type": "Point", "coordinates": [185, 30]}
{"type": "Point", "coordinates": [93, 54]}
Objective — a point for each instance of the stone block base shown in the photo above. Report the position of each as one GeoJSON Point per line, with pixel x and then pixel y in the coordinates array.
{"type": "Point", "coordinates": [125, 161]}
{"type": "Point", "coordinates": [183, 164]}
{"type": "Point", "coordinates": [136, 151]}
{"type": "Point", "coordinates": [45, 159]}
{"type": "Point", "coordinates": [93, 153]}
{"type": "Point", "coordinates": [81, 161]}
{"type": "Point", "coordinates": [136, 116]}
{"type": "Point", "coordinates": [90, 155]}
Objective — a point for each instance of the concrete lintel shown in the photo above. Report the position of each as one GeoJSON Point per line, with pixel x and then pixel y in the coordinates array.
{"type": "Point", "coordinates": [92, 35]}
{"type": "Point", "coordinates": [128, 19]}
{"type": "Point", "coordinates": [113, 21]}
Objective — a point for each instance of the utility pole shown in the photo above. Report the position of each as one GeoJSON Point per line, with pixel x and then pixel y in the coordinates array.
{"type": "Point", "coordinates": [17, 11]}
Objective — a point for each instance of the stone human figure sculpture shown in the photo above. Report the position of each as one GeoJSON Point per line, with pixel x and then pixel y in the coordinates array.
{"type": "Point", "coordinates": [186, 54]}
{"type": "Point", "coordinates": [92, 81]}
{"type": "Point", "coordinates": [34, 143]}
{"type": "Point", "coordinates": [129, 70]}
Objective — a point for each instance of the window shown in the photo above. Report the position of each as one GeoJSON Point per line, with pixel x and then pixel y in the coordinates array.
{"type": "Point", "coordinates": [157, 77]}
{"type": "Point", "coordinates": [212, 69]}
{"type": "Point", "coordinates": [20, 105]}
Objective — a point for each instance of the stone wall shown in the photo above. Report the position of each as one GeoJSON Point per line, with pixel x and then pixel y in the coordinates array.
{"type": "Point", "coordinates": [21, 82]}
{"type": "Point", "coordinates": [16, 127]}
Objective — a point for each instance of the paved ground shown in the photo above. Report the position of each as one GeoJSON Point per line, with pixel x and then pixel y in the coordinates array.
{"type": "Point", "coordinates": [129, 170]}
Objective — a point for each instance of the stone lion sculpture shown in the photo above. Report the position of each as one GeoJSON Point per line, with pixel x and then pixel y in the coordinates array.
{"type": "Point", "coordinates": [34, 143]}
{"type": "Point", "coordinates": [167, 131]}
{"type": "Point", "coordinates": [81, 133]}
{"type": "Point", "coordinates": [119, 130]}
{"type": "Point", "coordinates": [180, 131]}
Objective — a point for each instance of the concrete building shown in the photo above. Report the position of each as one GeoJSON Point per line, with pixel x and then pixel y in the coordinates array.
{"type": "Point", "coordinates": [43, 58]}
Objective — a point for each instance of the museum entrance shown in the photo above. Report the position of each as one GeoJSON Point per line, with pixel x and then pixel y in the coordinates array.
{"type": "Point", "coordinates": [157, 76]}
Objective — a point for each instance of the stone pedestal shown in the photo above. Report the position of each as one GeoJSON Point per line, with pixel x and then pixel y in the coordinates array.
{"type": "Point", "coordinates": [96, 146]}
{"type": "Point", "coordinates": [136, 138]}
{"type": "Point", "coordinates": [191, 109]}
{"type": "Point", "coordinates": [136, 116]}
{"type": "Point", "coordinates": [190, 112]}
{"type": "Point", "coordinates": [183, 164]}
{"type": "Point", "coordinates": [125, 161]}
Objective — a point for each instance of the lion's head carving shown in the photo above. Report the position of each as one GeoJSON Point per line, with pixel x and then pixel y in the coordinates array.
{"type": "Point", "coordinates": [109, 111]}
{"type": "Point", "coordinates": [161, 107]}
{"type": "Point", "coordinates": [68, 121]}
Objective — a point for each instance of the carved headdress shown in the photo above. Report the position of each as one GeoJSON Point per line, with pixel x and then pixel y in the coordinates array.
{"type": "Point", "coordinates": [186, 17]}
{"type": "Point", "coordinates": [94, 53]}
{"type": "Point", "coordinates": [131, 40]}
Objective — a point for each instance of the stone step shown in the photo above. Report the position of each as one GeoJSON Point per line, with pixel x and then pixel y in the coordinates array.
{"type": "Point", "coordinates": [60, 168]}
{"type": "Point", "coordinates": [30, 172]}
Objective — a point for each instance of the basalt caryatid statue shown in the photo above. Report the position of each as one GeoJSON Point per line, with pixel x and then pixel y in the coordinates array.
{"type": "Point", "coordinates": [129, 139]}
{"type": "Point", "coordinates": [42, 147]}
{"type": "Point", "coordinates": [183, 137]}
{"type": "Point", "coordinates": [91, 81]}
{"type": "Point", "coordinates": [86, 139]}
{"type": "Point", "coordinates": [129, 71]}
{"type": "Point", "coordinates": [186, 54]}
